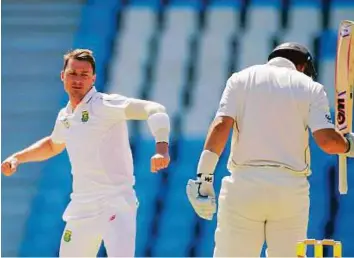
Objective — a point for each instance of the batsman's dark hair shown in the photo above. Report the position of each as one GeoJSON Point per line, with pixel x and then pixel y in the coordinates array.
{"type": "Point", "coordinates": [81, 55]}
{"type": "Point", "coordinates": [294, 56]}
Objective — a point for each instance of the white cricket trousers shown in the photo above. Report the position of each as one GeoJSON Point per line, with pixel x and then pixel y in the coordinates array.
{"type": "Point", "coordinates": [258, 205]}
{"type": "Point", "coordinates": [116, 227]}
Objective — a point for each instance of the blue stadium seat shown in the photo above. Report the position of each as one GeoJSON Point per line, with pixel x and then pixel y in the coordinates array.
{"type": "Point", "coordinates": [225, 3]}
{"type": "Point", "coordinates": [145, 3]}
{"type": "Point", "coordinates": [190, 150]}
{"type": "Point", "coordinates": [305, 3]}
{"type": "Point", "coordinates": [175, 232]}
{"type": "Point", "coordinates": [273, 3]}
{"type": "Point", "coordinates": [195, 4]}
{"type": "Point", "coordinates": [328, 45]}
{"type": "Point", "coordinates": [206, 242]}
{"type": "Point", "coordinates": [344, 3]}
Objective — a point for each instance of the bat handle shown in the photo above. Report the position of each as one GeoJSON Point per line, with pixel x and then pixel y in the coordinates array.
{"type": "Point", "coordinates": [343, 182]}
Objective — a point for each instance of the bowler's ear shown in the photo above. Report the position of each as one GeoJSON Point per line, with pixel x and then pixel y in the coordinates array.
{"type": "Point", "coordinates": [62, 75]}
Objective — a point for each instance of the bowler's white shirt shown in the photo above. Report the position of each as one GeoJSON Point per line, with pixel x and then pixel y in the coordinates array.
{"type": "Point", "coordinates": [273, 106]}
{"type": "Point", "coordinates": [97, 142]}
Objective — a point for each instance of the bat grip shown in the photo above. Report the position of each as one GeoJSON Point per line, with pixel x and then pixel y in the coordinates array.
{"type": "Point", "coordinates": [342, 182]}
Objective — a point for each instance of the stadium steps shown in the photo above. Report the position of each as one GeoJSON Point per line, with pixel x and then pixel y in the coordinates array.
{"type": "Point", "coordinates": [36, 34]}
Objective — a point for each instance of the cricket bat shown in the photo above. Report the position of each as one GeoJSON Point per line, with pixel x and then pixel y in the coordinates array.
{"type": "Point", "coordinates": [344, 81]}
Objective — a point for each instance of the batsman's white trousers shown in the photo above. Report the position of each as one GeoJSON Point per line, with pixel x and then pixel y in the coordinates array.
{"type": "Point", "coordinates": [116, 226]}
{"type": "Point", "coordinates": [261, 204]}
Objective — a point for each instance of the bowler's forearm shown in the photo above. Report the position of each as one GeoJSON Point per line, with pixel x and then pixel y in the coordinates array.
{"type": "Point", "coordinates": [39, 151]}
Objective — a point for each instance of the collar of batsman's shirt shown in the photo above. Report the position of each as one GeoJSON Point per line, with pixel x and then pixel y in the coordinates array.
{"type": "Point", "coordinates": [282, 62]}
{"type": "Point", "coordinates": [85, 100]}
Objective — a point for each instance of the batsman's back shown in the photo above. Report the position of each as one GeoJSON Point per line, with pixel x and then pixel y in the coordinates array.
{"type": "Point", "coordinates": [275, 106]}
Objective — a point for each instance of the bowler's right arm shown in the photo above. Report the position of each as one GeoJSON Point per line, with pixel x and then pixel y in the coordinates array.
{"type": "Point", "coordinates": [41, 150]}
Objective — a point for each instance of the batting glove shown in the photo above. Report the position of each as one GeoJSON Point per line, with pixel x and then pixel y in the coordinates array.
{"type": "Point", "coordinates": [201, 195]}
{"type": "Point", "coordinates": [350, 138]}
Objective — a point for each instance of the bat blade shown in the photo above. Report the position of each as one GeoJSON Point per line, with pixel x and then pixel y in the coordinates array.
{"type": "Point", "coordinates": [344, 91]}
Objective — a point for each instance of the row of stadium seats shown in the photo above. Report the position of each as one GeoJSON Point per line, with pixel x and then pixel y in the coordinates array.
{"type": "Point", "coordinates": [168, 57]}
{"type": "Point", "coordinates": [162, 53]}
{"type": "Point", "coordinates": [171, 64]}
{"type": "Point", "coordinates": [35, 35]}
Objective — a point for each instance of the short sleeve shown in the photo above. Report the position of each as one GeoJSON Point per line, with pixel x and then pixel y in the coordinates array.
{"type": "Point", "coordinates": [112, 106]}
{"type": "Point", "coordinates": [228, 105]}
{"type": "Point", "coordinates": [320, 116]}
{"type": "Point", "coordinates": [57, 135]}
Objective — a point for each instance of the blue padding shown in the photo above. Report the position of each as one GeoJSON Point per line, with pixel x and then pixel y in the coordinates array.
{"type": "Point", "coordinates": [106, 3]}
{"type": "Point", "coordinates": [274, 3]}
{"type": "Point", "coordinates": [225, 3]}
{"type": "Point", "coordinates": [328, 45]}
{"type": "Point", "coordinates": [342, 3]}
{"type": "Point", "coordinates": [306, 3]}
{"type": "Point", "coordinates": [205, 246]}
{"type": "Point", "coordinates": [194, 4]}
{"type": "Point", "coordinates": [145, 3]}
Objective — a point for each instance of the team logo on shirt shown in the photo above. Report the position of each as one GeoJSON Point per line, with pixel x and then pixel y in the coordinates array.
{"type": "Point", "coordinates": [67, 235]}
{"type": "Point", "coordinates": [84, 116]}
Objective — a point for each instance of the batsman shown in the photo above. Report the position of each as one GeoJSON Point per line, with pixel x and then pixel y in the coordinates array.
{"type": "Point", "coordinates": [271, 108]}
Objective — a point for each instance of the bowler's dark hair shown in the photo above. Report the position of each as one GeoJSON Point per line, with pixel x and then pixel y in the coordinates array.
{"type": "Point", "coordinates": [81, 55]}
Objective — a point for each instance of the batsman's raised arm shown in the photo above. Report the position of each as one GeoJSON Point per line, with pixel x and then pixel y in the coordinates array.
{"type": "Point", "coordinates": [326, 136]}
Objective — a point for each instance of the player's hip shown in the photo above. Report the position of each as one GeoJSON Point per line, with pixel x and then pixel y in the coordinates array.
{"type": "Point", "coordinates": [255, 196]}
{"type": "Point", "coordinates": [260, 182]}
{"type": "Point", "coordinates": [84, 206]}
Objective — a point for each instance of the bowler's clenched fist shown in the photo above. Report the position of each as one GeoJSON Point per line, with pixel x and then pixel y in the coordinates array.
{"type": "Point", "coordinates": [9, 166]}
{"type": "Point", "coordinates": [159, 161]}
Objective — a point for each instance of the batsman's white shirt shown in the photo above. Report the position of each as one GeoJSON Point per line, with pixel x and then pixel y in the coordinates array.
{"type": "Point", "coordinates": [263, 199]}
{"type": "Point", "coordinates": [273, 106]}
{"type": "Point", "coordinates": [97, 142]}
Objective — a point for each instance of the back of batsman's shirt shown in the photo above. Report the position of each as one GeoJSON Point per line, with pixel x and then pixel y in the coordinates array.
{"type": "Point", "coordinates": [273, 105]}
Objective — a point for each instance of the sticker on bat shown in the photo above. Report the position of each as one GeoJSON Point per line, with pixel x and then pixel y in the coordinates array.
{"type": "Point", "coordinates": [341, 114]}
{"type": "Point", "coordinates": [345, 30]}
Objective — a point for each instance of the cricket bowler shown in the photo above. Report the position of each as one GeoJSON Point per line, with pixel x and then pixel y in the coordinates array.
{"type": "Point", "coordinates": [93, 130]}
{"type": "Point", "coordinates": [270, 108]}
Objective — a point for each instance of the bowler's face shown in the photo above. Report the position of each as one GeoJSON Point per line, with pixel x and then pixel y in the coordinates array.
{"type": "Point", "coordinates": [78, 79]}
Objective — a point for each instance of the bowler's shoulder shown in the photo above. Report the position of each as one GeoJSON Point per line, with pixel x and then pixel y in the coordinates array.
{"type": "Point", "coordinates": [101, 97]}
{"type": "Point", "coordinates": [62, 113]}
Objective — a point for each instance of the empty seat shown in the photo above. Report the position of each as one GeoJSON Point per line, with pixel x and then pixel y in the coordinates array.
{"type": "Point", "coordinates": [249, 54]}
{"type": "Point", "coordinates": [327, 58]}
{"type": "Point", "coordinates": [222, 20]}
{"type": "Point", "coordinates": [126, 72]}
{"type": "Point", "coordinates": [263, 17]}
{"type": "Point", "coordinates": [206, 243]}
{"type": "Point", "coordinates": [172, 59]}
{"type": "Point", "coordinates": [145, 3]}
{"type": "Point", "coordinates": [340, 10]}
{"type": "Point", "coordinates": [299, 29]}
{"type": "Point", "coordinates": [174, 238]}
{"type": "Point", "coordinates": [298, 9]}
{"type": "Point", "coordinates": [226, 3]}
{"type": "Point", "coordinates": [212, 68]}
